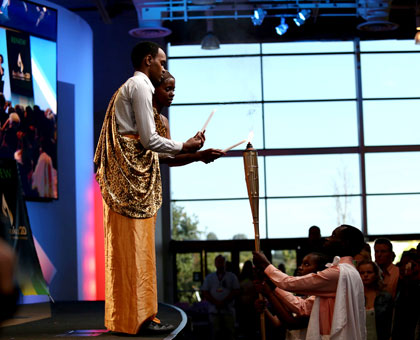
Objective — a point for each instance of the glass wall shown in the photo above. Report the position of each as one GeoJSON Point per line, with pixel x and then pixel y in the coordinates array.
{"type": "Point", "coordinates": [338, 141]}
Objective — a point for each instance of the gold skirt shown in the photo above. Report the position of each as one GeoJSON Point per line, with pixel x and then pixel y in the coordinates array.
{"type": "Point", "coordinates": [130, 272]}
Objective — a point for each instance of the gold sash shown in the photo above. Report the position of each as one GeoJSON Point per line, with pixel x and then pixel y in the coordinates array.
{"type": "Point", "coordinates": [127, 173]}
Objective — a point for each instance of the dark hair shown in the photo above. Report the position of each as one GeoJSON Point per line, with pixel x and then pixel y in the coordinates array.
{"type": "Point", "coordinates": [321, 260]}
{"type": "Point", "coordinates": [384, 241]}
{"type": "Point", "coordinates": [247, 271]}
{"type": "Point", "coordinates": [353, 239]}
{"type": "Point", "coordinates": [141, 50]}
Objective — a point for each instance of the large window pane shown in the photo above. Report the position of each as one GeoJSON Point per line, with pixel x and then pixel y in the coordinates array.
{"type": "Point", "coordinates": [285, 257]}
{"type": "Point", "coordinates": [306, 125]}
{"type": "Point", "coordinates": [307, 47]}
{"type": "Point", "coordinates": [217, 79]}
{"type": "Point", "coordinates": [225, 49]}
{"type": "Point", "coordinates": [393, 172]}
{"type": "Point", "coordinates": [393, 75]}
{"type": "Point", "coordinates": [230, 124]}
{"type": "Point", "coordinates": [391, 122]}
{"type": "Point", "coordinates": [388, 45]}
{"type": "Point", "coordinates": [309, 77]}
{"type": "Point", "coordinates": [224, 220]}
{"type": "Point", "coordinates": [393, 214]}
{"type": "Point", "coordinates": [312, 175]}
{"type": "Point", "coordinates": [289, 218]}
{"type": "Point", "coordinates": [225, 178]}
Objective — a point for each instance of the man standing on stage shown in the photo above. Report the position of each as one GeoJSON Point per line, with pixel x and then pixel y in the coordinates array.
{"type": "Point", "coordinates": [129, 176]}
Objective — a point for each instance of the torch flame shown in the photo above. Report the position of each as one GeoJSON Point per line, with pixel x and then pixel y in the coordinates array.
{"type": "Point", "coordinates": [250, 137]}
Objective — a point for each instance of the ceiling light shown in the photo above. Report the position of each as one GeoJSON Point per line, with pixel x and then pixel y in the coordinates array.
{"type": "Point", "coordinates": [210, 42]}
{"type": "Point", "coordinates": [258, 17]}
{"type": "Point", "coordinates": [302, 16]}
{"type": "Point", "coordinates": [282, 28]}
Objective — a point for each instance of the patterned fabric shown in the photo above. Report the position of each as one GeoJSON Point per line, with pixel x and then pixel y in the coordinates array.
{"type": "Point", "coordinates": [160, 127]}
{"type": "Point", "coordinates": [128, 174]}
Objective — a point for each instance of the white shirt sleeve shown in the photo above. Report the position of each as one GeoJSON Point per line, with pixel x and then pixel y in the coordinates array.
{"type": "Point", "coordinates": [141, 101]}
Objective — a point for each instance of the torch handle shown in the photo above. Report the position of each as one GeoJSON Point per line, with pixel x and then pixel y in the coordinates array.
{"type": "Point", "coordinates": [257, 235]}
{"type": "Point", "coordinates": [257, 249]}
{"type": "Point", "coordinates": [262, 322]}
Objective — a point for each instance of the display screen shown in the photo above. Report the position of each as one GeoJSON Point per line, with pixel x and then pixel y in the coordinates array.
{"type": "Point", "coordinates": [28, 99]}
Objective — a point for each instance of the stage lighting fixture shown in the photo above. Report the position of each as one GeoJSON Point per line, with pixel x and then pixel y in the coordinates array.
{"type": "Point", "coordinates": [258, 17]}
{"type": "Point", "coordinates": [210, 42]}
{"type": "Point", "coordinates": [282, 28]}
{"type": "Point", "coordinates": [301, 17]}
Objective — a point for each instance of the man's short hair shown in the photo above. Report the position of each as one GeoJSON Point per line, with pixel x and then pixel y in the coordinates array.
{"type": "Point", "coordinates": [353, 239]}
{"type": "Point", "coordinates": [384, 241]}
{"type": "Point", "coordinates": [141, 50]}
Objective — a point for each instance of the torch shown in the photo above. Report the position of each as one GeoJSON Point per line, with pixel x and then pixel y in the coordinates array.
{"type": "Point", "coordinates": [251, 176]}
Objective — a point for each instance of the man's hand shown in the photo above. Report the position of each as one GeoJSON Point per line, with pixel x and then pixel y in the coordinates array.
{"type": "Point", "coordinates": [209, 155]}
{"type": "Point", "coordinates": [195, 143]}
{"type": "Point", "coordinates": [260, 261]}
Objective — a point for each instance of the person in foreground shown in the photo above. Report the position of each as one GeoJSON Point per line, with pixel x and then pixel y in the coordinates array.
{"type": "Point", "coordinates": [338, 312]}
{"type": "Point", "coordinates": [163, 97]}
{"type": "Point", "coordinates": [128, 174]}
{"type": "Point", "coordinates": [296, 321]}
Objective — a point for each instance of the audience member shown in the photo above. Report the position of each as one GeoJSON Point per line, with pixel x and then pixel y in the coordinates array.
{"type": "Point", "coordinates": [220, 289]}
{"type": "Point", "coordinates": [313, 244]}
{"type": "Point", "coordinates": [8, 291]}
{"type": "Point", "coordinates": [407, 311]}
{"type": "Point", "coordinates": [379, 304]}
{"type": "Point", "coordinates": [338, 311]}
{"type": "Point", "coordinates": [384, 256]}
{"type": "Point", "coordinates": [364, 255]}
{"type": "Point", "coordinates": [245, 302]}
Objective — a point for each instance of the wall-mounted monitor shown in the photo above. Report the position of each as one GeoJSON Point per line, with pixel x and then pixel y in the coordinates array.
{"type": "Point", "coordinates": [28, 99]}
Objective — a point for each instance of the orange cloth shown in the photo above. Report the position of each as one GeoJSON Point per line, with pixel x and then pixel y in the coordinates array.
{"type": "Point", "coordinates": [130, 271]}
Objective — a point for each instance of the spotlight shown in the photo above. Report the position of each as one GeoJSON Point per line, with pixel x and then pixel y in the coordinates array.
{"type": "Point", "coordinates": [282, 28]}
{"type": "Point", "coordinates": [301, 17]}
{"type": "Point", "coordinates": [258, 17]}
{"type": "Point", "coordinates": [210, 42]}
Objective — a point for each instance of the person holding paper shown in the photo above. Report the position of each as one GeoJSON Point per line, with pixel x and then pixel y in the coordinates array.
{"type": "Point", "coordinates": [128, 174]}
{"type": "Point", "coordinates": [163, 97]}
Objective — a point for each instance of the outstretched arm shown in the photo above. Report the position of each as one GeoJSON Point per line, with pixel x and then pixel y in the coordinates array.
{"type": "Point", "coordinates": [205, 156]}
{"type": "Point", "coordinates": [283, 314]}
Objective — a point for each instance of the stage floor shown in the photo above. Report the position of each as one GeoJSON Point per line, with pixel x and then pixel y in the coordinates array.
{"type": "Point", "coordinates": [80, 319]}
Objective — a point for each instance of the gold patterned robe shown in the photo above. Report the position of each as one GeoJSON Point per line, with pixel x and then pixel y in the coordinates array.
{"type": "Point", "coordinates": [129, 177]}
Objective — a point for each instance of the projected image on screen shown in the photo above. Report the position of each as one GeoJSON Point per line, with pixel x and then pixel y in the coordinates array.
{"type": "Point", "coordinates": [28, 109]}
